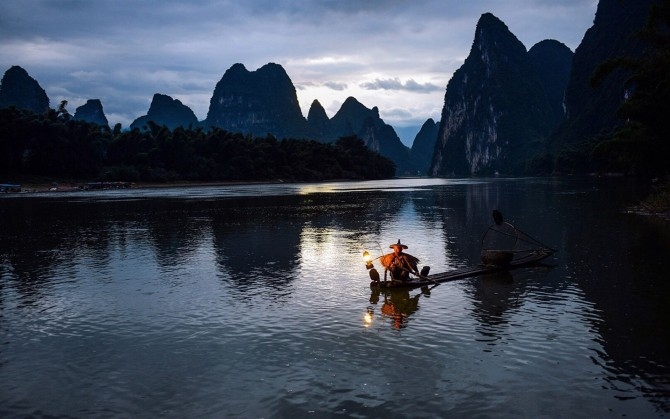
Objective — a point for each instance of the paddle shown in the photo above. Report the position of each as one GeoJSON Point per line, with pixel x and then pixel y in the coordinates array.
{"type": "Point", "coordinates": [425, 278]}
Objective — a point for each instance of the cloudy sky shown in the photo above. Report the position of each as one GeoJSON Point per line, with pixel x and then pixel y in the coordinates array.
{"type": "Point", "coordinates": [397, 55]}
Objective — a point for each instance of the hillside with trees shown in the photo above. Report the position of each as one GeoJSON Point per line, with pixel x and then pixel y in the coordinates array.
{"type": "Point", "coordinates": [641, 145]}
{"type": "Point", "coordinates": [55, 145]}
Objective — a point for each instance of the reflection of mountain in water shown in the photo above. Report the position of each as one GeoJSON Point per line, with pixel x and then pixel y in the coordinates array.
{"type": "Point", "coordinates": [176, 236]}
{"type": "Point", "coordinates": [253, 237]}
{"type": "Point", "coordinates": [606, 252]}
{"type": "Point", "coordinates": [465, 213]}
{"type": "Point", "coordinates": [620, 263]}
{"type": "Point", "coordinates": [494, 295]}
{"type": "Point", "coordinates": [258, 240]}
{"type": "Point", "coordinates": [35, 240]}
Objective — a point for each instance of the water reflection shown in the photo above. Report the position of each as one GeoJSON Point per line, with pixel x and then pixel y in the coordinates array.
{"type": "Point", "coordinates": [396, 304]}
{"type": "Point", "coordinates": [494, 295]}
{"type": "Point", "coordinates": [175, 242]}
{"type": "Point", "coordinates": [263, 254]}
{"type": "Point", "coordinates": [627, 294]}
{"type": "Point", "coordinates": [162, 272]}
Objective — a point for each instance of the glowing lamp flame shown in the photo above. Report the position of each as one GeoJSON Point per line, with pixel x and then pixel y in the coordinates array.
{"type": "Point", "coordinates": [368, 260]}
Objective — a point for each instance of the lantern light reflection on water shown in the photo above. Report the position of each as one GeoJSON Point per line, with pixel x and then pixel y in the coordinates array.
{"type": "Point", "coordinates": [368, 317]}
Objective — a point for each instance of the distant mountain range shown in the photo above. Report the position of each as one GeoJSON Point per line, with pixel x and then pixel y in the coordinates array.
{"type": "Point", "coordinates": [504, 109]}
{"type": "Point", "coordinates": [509, 111]}
{"type": "Point", "coordinates": [257, 102]}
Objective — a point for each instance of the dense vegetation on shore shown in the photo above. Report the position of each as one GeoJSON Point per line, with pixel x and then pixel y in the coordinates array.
{"type": "Point", "coordinates": [57, 146]}
{"type": "Point", "coordinates": [641, 145]}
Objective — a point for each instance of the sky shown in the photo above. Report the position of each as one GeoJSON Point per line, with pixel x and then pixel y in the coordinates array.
{"type": "Point", "coordinates": [397, 55]}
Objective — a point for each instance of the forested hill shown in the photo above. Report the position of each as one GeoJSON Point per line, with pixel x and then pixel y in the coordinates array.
{"type": "Point", "coordinates": [618, 97]}
{"type": "Point", "coordinates": [257, 103]}
{"type": "Point", "coordinates": [57, 146]}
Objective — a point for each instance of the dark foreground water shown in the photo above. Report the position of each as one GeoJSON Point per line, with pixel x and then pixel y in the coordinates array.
{"type": "Point", "coordinates": [253, 301]}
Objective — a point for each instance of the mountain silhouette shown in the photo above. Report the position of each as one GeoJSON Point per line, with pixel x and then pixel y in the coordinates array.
{"type": "Point", "coordinates": [18, 89]}
{"type": "Point", "coordinates": [167, 111]}
{"type": "Point", "coordinates": [91, 111]}
{"type": "Point", "coordinates": [497, 113]}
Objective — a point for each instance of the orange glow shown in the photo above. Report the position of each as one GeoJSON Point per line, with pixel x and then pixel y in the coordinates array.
{"type": "Point", "coordinates": [367, 319]}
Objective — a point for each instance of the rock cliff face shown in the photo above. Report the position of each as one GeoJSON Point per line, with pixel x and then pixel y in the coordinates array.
{"type": "Point", "coordinates": [167, 111]}
{"type": "Point", "coordinates": [552, 61]}
{"type": "Point", "coordinates": [91, 111]}
{"type": "Point", "coordinates": [18, 89]}
{"type": "Point", "coordinates": [353, 118]}
{"type": "Point", "coordinates": [264, 102]}
{"type": "Point", "coordinates": [259, 102]}
{"type": "Point", "coordinates": [318, 123]}
{"type": "Point", "coordinates": [423, 146]}
{"type": "Point", "coordinates": [497, 113]}
{"type": "Point", "coordinates": [591, 112]}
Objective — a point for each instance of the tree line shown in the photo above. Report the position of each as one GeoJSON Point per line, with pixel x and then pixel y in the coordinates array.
{"type": "Point", "coordinates": [57, 146]}
{"type": "Point", "coordinates": [641, 146]}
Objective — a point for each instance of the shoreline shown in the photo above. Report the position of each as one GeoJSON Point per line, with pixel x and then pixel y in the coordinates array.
{"type": "Point", "coordinates": [37, 186]}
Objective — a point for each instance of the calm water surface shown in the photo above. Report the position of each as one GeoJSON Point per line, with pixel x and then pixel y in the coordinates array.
{"type": "Point", "coordinates": [253, 301]}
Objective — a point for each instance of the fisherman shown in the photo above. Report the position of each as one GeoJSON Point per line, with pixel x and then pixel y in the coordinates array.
{"type": "Point", "coordinates": [398, 263]}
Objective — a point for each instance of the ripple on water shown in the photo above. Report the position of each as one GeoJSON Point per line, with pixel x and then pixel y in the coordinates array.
{"type": "Point", "coordinates": [255, 307]}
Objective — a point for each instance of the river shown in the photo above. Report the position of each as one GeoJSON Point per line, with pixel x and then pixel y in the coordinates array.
{"type": "Point", "coordinates": [253, 301]}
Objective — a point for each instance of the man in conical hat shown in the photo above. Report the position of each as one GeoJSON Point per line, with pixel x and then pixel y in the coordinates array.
{"type": "Point", "coordinates": [398, 263]}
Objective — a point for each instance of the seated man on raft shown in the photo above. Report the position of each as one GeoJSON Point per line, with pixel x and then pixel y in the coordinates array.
{"type": "Point", "coordinates": [400, 264]}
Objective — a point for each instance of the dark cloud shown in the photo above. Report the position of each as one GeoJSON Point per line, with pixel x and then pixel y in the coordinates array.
{"type": "Point", "coordinates": [395, 84]}
{"type": "Point", "coordinates": [335, 86]}
{"type": "Point", "coordinates": [383, 52]}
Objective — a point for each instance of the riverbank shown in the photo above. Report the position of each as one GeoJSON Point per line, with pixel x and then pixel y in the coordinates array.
{"type": "Point", "coordinates": [658, 202]}
{"type": "Point", "coordinates": [36, 184]}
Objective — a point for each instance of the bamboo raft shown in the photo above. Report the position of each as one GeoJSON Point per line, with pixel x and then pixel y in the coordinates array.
{"type": "Point", "coordinates": [504, 247]}
{"type": "Point", "coordinates": [529, 259]}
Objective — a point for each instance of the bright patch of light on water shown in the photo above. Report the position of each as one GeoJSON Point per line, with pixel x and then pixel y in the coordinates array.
{"type": "Point", "coordinates": [254, 301]}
